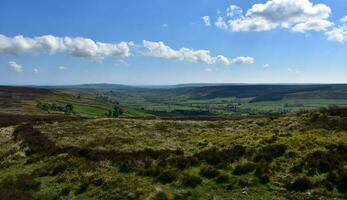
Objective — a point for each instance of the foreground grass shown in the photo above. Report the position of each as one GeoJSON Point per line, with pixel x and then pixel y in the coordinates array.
{"type": "Point", "coordinates": [253, 158]}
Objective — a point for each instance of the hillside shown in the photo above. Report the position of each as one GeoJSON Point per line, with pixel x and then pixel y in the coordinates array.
{"type": "Point", "coordinates": [191, 100]}
{"type": "Point", "coordinates": [293, 157]}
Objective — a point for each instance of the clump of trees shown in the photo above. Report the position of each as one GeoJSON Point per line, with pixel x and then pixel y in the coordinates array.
{"type": "Point", "coordinates": [66, 108]}
{"type": "Point", "coordinates": [116, 111]}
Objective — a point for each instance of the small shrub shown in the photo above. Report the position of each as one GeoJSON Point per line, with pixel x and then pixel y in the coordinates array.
{"type": "Point", "coordinates": [264, 178]}
{"type": "Point", "coordinates": [18, 187]}
{"type": "Point", "coordinates": [269, 152]}
{"type": "Point", "coordinates": [209, 172]}
{"type": "Point", "coordinates": [244, 182]}
{"type": "Point", "coordinates": [190, 180]}
{"type": "Point", "coordinates": [161, 195]}
{"type": "Point", "coordinates": [320, 162]}
{"type": "Point", "coordinates": [263, 172]}
{"type": "Point", "coordinates": [215, 156]}
{"type": "Point", "coordinates": [244, 168]}
{"type": "Point", "coordinates": [301, 184]}
{"type": "Point", "coordinates": [167, 176]}
{"type": "Point", "coordinates": [81, 188]}
{"type": "Point", "coordinates": [223, 178]}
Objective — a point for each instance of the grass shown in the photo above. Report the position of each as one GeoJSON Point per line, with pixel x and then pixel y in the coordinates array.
{"type": "Point", "coordinates": [250, 158]}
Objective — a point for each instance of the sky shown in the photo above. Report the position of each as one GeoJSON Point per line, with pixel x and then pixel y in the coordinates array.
{"type": "Point", "coordinates": [160, 42]}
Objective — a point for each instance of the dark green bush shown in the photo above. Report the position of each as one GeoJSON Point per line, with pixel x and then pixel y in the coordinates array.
{"type": "Point", "coordinates": [190, 180]}
{"type": "Point", "coordinates": [244, 182]}
{"type": "Point", "coordinates": [263, 171]}
{"type": "Point", "coordinates": [215, 156]}
{"type": "Point", "coordinates": [269, 152]}
{"type": "Point", "coordinates": [167, 176]}
{"type": "Point", "coordinates": [209, 172]}
{"type": "Point", "coordinates": [244, 168]}
{"type": "Point", "coordinates": [223, 178]}
{"type": "Point", "coordinates": [18, 187]}
{"type": "Point", "coordinates": [300, 184]}
{"type": "Point", "coordinates": [51, 169]}
{"type": "Point", "coordinates": [320, 162]}
{"type": "Point", "coordinates": [161, 195]}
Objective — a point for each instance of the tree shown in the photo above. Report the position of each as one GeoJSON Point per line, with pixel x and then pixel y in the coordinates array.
{"type": "Point", "coordinates": [116, 112]}
{"type": "Point", "coordinates": [69, 108]}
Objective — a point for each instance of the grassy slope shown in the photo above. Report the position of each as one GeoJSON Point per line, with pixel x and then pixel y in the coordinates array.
{"type": "Point", "coordinates": [68, 176]}
{"type": "Point", "coordinates": [23, 100]}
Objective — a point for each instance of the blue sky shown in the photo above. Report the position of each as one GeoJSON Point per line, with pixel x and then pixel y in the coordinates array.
{"type": "Point", "coordinates": [142, 41]}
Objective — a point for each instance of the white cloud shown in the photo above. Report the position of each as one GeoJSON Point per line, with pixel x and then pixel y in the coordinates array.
{"type": "Point", "coordinates": [313, 25]}
{"type": "Point", "coordinates": [62, 68]}
{"type": "Point", "coordinates": [165, 25]}
{"type": "Point", "coordinates": [297, 15]}
{"type": "Point", "coordinates": [36, 71]}
{"type": "Point", "coordinates": [121, 62]}
{"type": "Point", "coordinates": [343, 19]}
{"type": "Point", "coordinates": [266, 65]}
{"type": "Point", "coordinates": [243, 60]}
{"type": "Point", "coordinates": [338, 33]}
{"type": "Point", "coordinates": [77, 46]}
{"type": "Point", "coordinates": [295, 71]}
{"type": "Point", "coordinates": [220, 23]}
{"type": "Point", "coordinates": [160, 50]}
{"type": "Point", "coordinates": [16, 67]}
{"type": "Point", "coordinates": [208, 70]}
{"type": "Point", "coordinates": [206, 20]}
{"type": "Point", "coordinates": [234, 11]}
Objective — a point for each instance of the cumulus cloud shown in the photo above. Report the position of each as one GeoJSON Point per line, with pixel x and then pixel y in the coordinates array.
{"type": "Point", "coordinates": [16, 67]}
{"type": "Point", "coordinates": [338, 33]}
{"type": "Point", "coordinates": [343, 19]}
{"type": "Point", "coordinates": [315, 25]}
{"type": "Point", "coordinates": [160, 50]}
{"type": "Point", "coordinates": [243, 60]}
{"type": "Point", "coordinates": [266, 65]}
{"type": "Point", "coordinates": [220, 23]}
{"type": "Point", "coordinates": [208, 70]}
{"type": "Point", "coordinates": [36, 71]}
{"type": "Point", "coordinates": [295, 71]}
{"type": "Point", "coordinates": [74, 46]}
{"type": "Point", "coordinates": [234, 11]}
{"type": "Point", "coordinates": [62, 68]}
{"type": "Point", "coordinates": [121, 62]}
{"type": "Point", "coordinates": [206, 20]}
{"type": "Point", "coordinates": [297, 15]}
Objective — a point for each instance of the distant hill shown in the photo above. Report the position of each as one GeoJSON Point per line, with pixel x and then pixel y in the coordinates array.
{"type": "Point", "coordinates": [12, 96]}
{"type": "Point", "coordinates": [259, 92]}
{"type": "Point", "coordinates": [265, 92]}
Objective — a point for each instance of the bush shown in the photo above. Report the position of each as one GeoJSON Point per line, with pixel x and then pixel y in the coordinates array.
{"type": "Point", "coordinates": [215, 156]}
{"type": "Point", "coordinates": [13, 193]}
{"type": "Point", "coordinates": [320, 162]}
{"type": "Point", "coordinates": [167, 176]}
{"type": "Point", "coordinates": [223, 178]}
{"type": "Point", "coordinates": [262, 172]}
{"type": "Point", "coordinates": [209, 172]}
{"type": "Point", "coordinates": [337, 178]}
{"type": "Point", "coordinates": [160, 196]}
{"type": "Point", "coordinates": [18, 187]}
{"type": "Point", "coordinates": [190, 180]}
{"type": "Point", "coordinates": [23, 182]}
{"type": "Point", "coordinates": [269, 152]}
{"type": "Point", "coordinates": [301, 184]}
{"type": "Point", "coordinates": [244, 168]}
